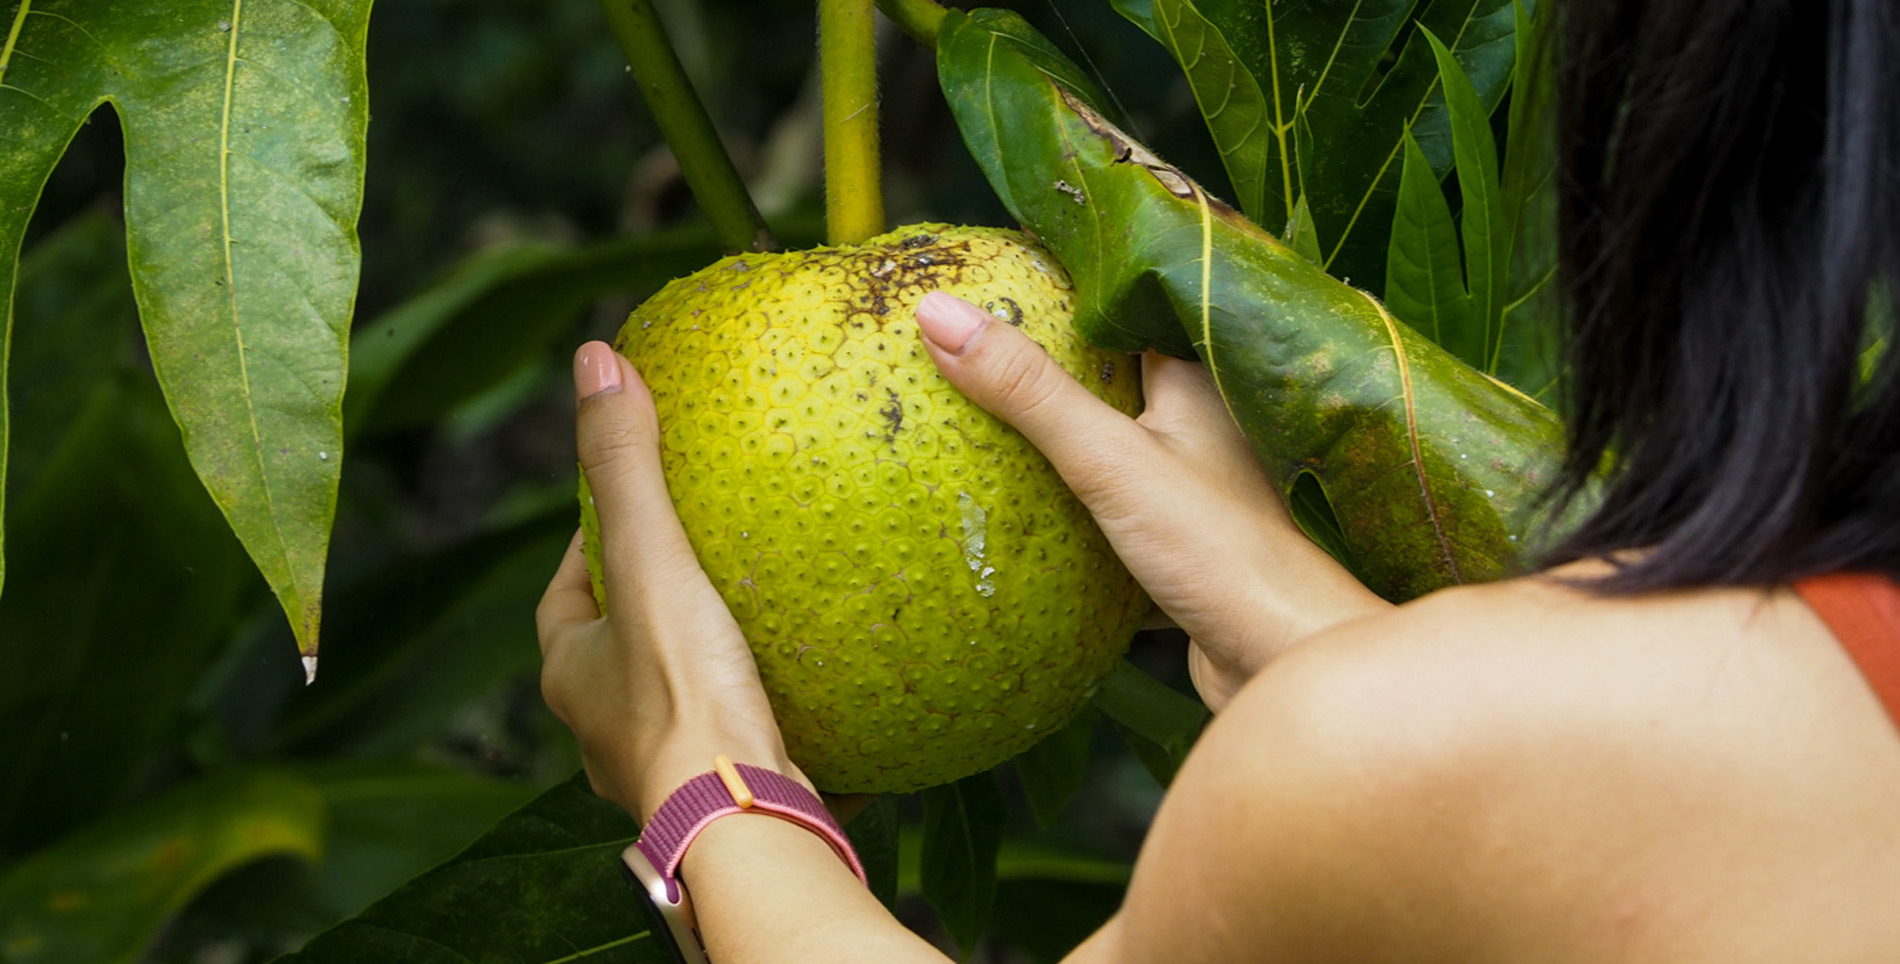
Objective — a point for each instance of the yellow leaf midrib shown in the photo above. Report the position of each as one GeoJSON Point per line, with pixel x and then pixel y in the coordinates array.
{"type": "Point", "coordinates": [230, 274]}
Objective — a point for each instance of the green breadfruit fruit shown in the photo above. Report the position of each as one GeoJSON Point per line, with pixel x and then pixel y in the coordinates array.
{"type": "Point", "coordinates": [924, 595]}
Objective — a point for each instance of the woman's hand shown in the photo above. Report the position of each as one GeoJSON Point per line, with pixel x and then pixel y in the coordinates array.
{"type": "Point", "coordinates": [664, 682]}
{"type": "Point", "coordinates": [1177, 491]}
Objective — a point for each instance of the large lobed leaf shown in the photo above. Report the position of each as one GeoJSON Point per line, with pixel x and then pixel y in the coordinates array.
{"type": "Point", "coordinates": [1348, 81]}
{"type": "Point", "coordinates": [1486, 300]}
{"type": "Point", "coordinates": [544, 886]}
{"type": "Point", "coordinates": [964, 824]}
{"type": "Point", "coordinates": [244, 130]}
{"type": "Point", "coordinates": [1462, 309]}
{"type": "Point", "coordinates": [1434, 469]}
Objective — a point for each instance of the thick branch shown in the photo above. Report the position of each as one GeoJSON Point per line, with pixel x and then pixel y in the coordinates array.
{"type": "Point", "coordinates": [688, 130]}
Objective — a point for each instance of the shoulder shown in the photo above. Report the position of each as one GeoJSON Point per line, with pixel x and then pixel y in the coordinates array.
{"type": "Point", "coordinates": [1422, 775]}
{"type": "Point", "coordinates": [1472, 666]}
{"type": "Point", "coordinates": [1498, 690]}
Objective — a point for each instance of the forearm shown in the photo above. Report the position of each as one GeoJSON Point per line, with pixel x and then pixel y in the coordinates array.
{"type": "Point", "coordinates": [766, 890]}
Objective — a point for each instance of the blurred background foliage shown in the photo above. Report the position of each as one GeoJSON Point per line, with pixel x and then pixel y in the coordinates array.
{"type": "Point", "coordinates": [169, 791]}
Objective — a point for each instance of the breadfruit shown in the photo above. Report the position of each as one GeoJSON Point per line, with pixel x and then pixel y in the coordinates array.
{"type": "Point", "coordinates": [924, 595]}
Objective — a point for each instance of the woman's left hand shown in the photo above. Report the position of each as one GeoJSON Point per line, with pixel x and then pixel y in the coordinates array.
{"type": "Point", "coordinates": [663, 682]}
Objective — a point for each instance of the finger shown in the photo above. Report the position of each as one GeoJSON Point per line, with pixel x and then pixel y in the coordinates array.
{"type": "Point", "coordinates": [569, 598]}
{"type": "Point", "coordinates": [1010, 376]}
{"type": "Point", "coordinates": [644, 551]}
{"type": "Point", "coordinates": [1184, 405]}
{"type": "Point", "coordinates": [1177, 390]}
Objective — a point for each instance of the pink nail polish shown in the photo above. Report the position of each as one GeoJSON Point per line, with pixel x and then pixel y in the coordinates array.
{"type": "Point", "coordinates": [596, 370]}
{"type": "Point", "coordinates": [948, 321]}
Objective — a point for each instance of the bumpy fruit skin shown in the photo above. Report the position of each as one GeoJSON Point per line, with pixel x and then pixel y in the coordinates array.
{"type": "Point", "coordinates": [925, 597]}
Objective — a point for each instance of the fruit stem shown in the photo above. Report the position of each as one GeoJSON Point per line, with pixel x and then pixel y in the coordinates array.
{"type": "Point", "coordinates": [683, 121]}
{"type": "Point", "coordinates": [919, 18]}
{"type": "Point", "coordinates": [847, 57]}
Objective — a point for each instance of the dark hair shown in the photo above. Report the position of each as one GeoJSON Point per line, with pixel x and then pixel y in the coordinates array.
{"type": "Point", "coordinates": [1729, 203]}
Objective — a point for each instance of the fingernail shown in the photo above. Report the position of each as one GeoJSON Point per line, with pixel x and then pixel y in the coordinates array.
{"type": "Point", "coordinates": [948, 321]}
{"type": "Point", "coordinates": [596, 370]}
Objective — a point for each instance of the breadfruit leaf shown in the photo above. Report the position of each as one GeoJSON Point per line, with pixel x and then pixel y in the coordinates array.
{"type": "Point", "coordinates": [544, 886]}
{"type": "Point", "coordinates": [244, 141]}
{"type": "Point", "coordinates": [963, 832]}
{"type": "Point", "coordinates": [1158, 724]}
{"type": "Point", "coordinates": [1435, 470]}
{"type": "Point", "coordinates": [1359, 77]}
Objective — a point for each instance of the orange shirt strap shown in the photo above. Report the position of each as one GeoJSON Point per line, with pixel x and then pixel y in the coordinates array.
{"type": "Point", "coordinates": [1863, 610]}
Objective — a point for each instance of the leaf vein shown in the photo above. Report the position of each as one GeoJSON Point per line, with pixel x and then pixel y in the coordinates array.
{"type": "Point", "coordinates": [75, 25]}
{"type": "Point", "coordinates": [47, 103]}
{"type": "Point", "coordinates": [13, 36]}
{"type": "Point", "coordinates": [286, 79]}
{"type": "Point", "coordinates": [1373, 186]}
{"type": "Point", "coordinates": [296, 184]}
{"type": "Point", "coordinates": [1332, 57]}
{"type": "Point", "coordinates": [230, 284]}
{"type": "Point", "coordinates": [1411, 434]}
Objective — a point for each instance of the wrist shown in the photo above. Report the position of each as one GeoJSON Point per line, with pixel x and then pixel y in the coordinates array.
{"type": "Point", "coordinates": [688, 757]}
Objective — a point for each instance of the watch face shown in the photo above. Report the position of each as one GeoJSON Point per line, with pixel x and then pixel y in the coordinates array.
{"type": "Point", "coordinates": [669, 899]}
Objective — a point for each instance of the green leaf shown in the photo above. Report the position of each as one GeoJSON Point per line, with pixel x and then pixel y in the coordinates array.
{"type": "Point", "coordinates": [1424, 274]}
{"type": "Point", "coordinates": [391, 820]}
{"type": "Point", "coordinates": [1047, 898]}
{"type": "Point", "coordinates": [1434, 469]}
{"type": "Point", "coordinates": [1870, 359]}
{"type": "Point", "coordinates": [963, 830]}
{"type": "Point", "coordinates": [1159, 724]}
{"type": "Point", "coordinates": [134, 586]}
{"type": "Point", "coordinates": [544, 886]}
{"type": "Point", "coordinates": [1300, 234]}
{"type": "Point", "coordinates": [99, 896]}
{"type": "Point", "coordinates": [1360, 75]}
{"type": "Point", "coordinates": [500, 309]}
{"type": "Point", "coordinates": [1483, 224]}
{"type": "Point", "coordinates": [1312, 511]}
{"type": "Point", "coordinates": [875, 835]}
{"type": "Point", "coordinates": [1046, 919]}
{"type": "Point", "coordinates": [385, 823]}
{"type": "Point", "coordinates": [244, 126]}
{"type": "Point", "coordinates": [1018, 860]}
{"type": "Point", "coordinates": [1054, 769]}
{"type": "Point", "coordinates": [1531, 346]}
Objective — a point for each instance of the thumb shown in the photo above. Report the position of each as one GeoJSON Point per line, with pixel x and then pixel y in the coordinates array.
{"type": "Point", "coordinates": [1013, 378]}
{"type": "Point", "coordinates": [617, 434]}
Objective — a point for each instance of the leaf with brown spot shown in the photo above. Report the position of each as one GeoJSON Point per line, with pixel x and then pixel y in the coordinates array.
{"type": "Point", "coordinates": [1434, 469]}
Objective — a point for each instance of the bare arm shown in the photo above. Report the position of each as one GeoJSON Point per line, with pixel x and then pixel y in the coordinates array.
{"type": "Point", "coordinates": [657, 689]}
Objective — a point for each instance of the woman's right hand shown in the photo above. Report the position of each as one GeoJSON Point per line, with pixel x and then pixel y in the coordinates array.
{"type": "Point", "coordinates": [1177, 491]}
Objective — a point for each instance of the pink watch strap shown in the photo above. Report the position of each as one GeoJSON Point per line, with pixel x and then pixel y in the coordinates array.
{"type": "Point", "coordinates": [705, 798]}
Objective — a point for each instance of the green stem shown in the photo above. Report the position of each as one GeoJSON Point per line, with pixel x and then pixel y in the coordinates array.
{"type": "Point", "coordinates": [688, 130]}
{"type": "Point", "coordinates": [919, 18]}
{"type": "Point", "coordinates": [847, 56]}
